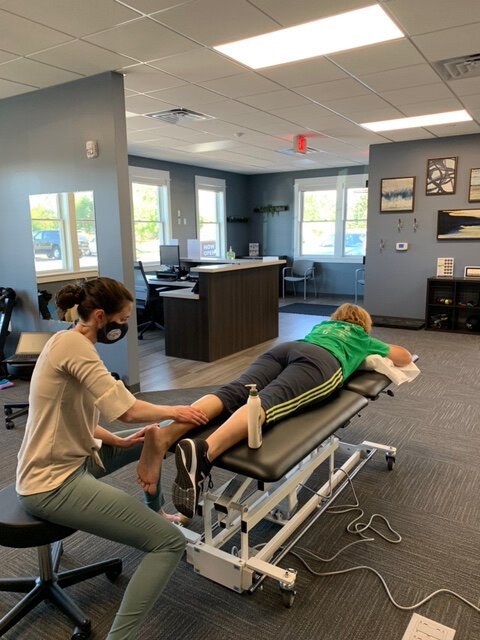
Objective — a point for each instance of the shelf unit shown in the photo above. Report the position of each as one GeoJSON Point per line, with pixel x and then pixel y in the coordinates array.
{"type": "Point", "coordinates": [451, 303]}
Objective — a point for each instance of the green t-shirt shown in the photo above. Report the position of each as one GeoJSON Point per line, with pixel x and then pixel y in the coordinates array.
{"type": "Point", "coordinates": [348, 342]}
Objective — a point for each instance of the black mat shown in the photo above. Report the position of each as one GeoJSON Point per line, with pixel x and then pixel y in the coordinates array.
{"type": "Point", "coordinates": [309, 309]}
{"type": "Point", "coordinates": [398, 323]}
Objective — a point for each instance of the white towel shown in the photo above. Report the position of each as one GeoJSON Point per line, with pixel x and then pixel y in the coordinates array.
{"type": "Point", "coordinates": [398, 375]}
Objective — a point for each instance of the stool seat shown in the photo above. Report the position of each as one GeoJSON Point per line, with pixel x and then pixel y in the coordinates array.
{"type": "Point", "coordinates": [19, 530]}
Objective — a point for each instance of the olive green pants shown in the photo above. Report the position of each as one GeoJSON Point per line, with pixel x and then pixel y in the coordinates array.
{"type": "Point", "coordinates": [85, 503]}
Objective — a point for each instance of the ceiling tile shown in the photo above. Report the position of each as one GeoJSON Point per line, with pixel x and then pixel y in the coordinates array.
{"type": "Point", "coordinates": [378, 57]}
{"type": "Point", "coordinates": [410, 95]}
{"type": "Point", "coordinates": [8, 88]}
{"type": "Point", "coordinates": [347, 106]}
{"type": "Point", "coordinates": [433, 15]}
{"type": "Point", "coordinates": [392, 79]}
{"type": "Point", "coordinates": [408, 134]}
{"type": "Point", "coordinates": [143, 40]}
{"type": "Point", "coordinates": [242, 84]}
{"type": "Point", "coordinates": [228, 108]}
{"type": "Point", "coordinates": [458, 41]}
{"type": "Point", "coordinates": [465, 86]}
{"type": "Point", "coordinates": [35, 73]}
{"type": "Point", "coordinates": [145, 78]}
{"type": "Point", "coordinates": [187, 95]}
{"type": "Point", "coordinates": [142, 104]}
{"type": "Point", "coordinates": [290, 13]}
{"type": "Point", "coordinates": [152, 6]}
{"type": "Point", "coordinates": [199, 65]}
{"type": "Point", "coordinates": [456, 129]}
{"type": "Point", "coordinates": [215, 22]}
{"type": "Point", "coordinates": [22, 36]}
{"type": "Point", "coordinates": [80, 18]}
{"type": "Point", "coordinates": [81, 57]}
{"type": "Point", "coordinates": [5, 56]}
{"type": "Point", "coordinates": [346, 88]}
{"type": "Point", "coordinates": [273, 99]}
{"type": "Point", "coordinates": [433, 106]}
{"type": "Point", "coordinates": [297, 74]}
{"type": "Point", "coordinates": [141, 123]}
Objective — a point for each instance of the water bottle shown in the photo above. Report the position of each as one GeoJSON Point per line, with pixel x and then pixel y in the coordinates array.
{"type": "Point", "coordinates": [254, 417]}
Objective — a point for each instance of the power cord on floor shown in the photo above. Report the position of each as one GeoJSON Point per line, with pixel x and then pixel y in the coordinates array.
{"type": "Point", "coordinates": [358, 528]}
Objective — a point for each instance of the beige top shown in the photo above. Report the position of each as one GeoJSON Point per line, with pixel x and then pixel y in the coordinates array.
{"type": "Point", "coordinates": [69, 389]}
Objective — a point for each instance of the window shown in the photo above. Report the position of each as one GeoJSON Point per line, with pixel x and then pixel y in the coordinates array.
{"type": "Point", "coordinates": [211, 220]}
{"type": "Point", "coordinates": [150, 212]}
{"type": "Point", "coordinates": [331, 217]}
{"type": "Point", "coordinates": [63, 232]}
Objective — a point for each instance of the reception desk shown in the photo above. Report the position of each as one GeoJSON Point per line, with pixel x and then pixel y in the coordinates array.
{"type": "Point", "coordinates": [236, 307]}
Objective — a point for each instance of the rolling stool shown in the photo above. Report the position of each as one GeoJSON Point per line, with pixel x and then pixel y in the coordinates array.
{"type": "Point", "coordinates": [19, 530]}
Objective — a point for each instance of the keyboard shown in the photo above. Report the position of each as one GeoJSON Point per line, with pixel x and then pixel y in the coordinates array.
{"type": "Point", "coordinates": [23, 357]}
{"type": "Point", "coordinates": [161, 275]}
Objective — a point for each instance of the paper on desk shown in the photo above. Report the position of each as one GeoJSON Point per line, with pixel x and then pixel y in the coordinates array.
{"type": "Point", "coordinates": [398, 375]}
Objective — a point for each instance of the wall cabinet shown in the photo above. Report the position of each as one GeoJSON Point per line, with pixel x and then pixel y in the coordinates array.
{"type": "Point", "coordinates": [453, 304]}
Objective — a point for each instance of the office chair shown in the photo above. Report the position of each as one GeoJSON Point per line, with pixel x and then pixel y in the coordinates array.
{"type": "Point", "coordinates": [148, 302]}
{"type": "Point", "coordinates": [300, 271]}
{"type": "Point", "coordinates": [359, 281]}
{"type": "Point", "coordinates": [7, 302]}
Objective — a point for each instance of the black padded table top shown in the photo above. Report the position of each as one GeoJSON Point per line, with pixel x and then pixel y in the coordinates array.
{"type": "Point", "coordinates": [288, 442]}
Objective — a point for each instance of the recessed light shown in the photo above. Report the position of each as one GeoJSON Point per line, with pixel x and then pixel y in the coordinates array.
{"type": "Point", "coordinates": [348, 30]}
{"type": "Point", "coordinates": [428, 120]}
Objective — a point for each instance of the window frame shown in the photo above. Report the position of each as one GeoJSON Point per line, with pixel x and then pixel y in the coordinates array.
{"type": "Point", "coordinates": [66, 221]}
{"type": "Point", "coordinates": [218, 186]}
{"type": "Point", "coordinates": [157, 178]}
{"type": "Point", "coordinates": [341, 183]}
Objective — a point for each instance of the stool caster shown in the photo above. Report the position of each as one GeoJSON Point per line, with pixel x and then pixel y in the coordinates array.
{"type": "Point", "coordinates": [9, 424]}
{"type": "Point", "coordinates": [81, 634]}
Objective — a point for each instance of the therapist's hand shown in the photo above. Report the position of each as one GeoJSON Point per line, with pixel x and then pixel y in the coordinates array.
{"type": "Point", "coordinates": [133, 439]}
{"type": "Point", "coordinates": [187, 414]}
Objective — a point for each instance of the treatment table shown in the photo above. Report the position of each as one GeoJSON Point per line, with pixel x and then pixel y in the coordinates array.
{"type": "Point", "coordinates": [266, 484]}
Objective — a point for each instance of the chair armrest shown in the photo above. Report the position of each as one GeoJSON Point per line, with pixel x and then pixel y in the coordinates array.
{"type": "Point", "coordinates": [285, 270]}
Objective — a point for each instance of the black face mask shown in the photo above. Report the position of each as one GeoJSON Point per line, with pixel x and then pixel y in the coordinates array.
{"type": "Point", "coordinates": [112, 332]}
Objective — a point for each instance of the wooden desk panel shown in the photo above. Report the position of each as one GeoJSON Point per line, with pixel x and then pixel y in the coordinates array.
{"type": "Point", "coordinates": [236, 310]}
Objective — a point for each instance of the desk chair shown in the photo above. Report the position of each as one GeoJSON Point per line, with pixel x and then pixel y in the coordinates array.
{"type": "Point", "coordinates": [300, 271]}
{"type": "Point", "coordinates": [20, 530]}
{"type": "Point", "coordinates": [148, 302]}
{"type": "Point", "coordinates": [7, 302]}
{"type": "Point", "coordinates": [359, 281]}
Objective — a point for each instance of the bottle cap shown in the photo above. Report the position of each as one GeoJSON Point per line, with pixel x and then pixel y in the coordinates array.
{"type": "Point", "coordinates": [253, 389]}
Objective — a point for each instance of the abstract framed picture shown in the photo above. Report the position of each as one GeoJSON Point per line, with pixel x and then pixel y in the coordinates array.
{"type": "Point", "coordinates": [441, 176]}
{"type": "Point", "coordinates": [458, 224]}
{"type": "Point", "coordinates": [397, 195]}
{"type": "Point", "coordinates": [474, 186]}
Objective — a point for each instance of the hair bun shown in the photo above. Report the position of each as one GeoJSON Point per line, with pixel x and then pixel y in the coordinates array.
{"type": "Point", "coordinates": [69, 296]}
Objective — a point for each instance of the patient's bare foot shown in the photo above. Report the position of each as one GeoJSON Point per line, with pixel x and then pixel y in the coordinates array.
{"type": "Point", "coordinates": [154, 449]}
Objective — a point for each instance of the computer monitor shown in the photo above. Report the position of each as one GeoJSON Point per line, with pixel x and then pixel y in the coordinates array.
{"type": "Point", "coordinates": [170, 256]}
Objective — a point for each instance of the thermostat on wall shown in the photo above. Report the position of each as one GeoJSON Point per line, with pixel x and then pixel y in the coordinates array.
{"type": "Point", "coordinates": [401, 246]}
{"type": "Point", "coordinates": [472, 272]}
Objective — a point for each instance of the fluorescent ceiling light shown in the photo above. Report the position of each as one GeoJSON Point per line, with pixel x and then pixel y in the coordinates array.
{"type": "Point", "coordinates": [337, 33]}
{"type": "Point", "coordinates": [429, 120]}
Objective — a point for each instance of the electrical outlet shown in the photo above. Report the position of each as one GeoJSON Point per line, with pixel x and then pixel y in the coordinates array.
{"type": "Point", "coordinates": [421, 628]}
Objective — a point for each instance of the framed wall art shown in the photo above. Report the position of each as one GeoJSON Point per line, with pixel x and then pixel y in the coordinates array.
{"type": "Point", "coordinates": [397, 195]}
{"type": "Point", "coordinates": [441, 176]}
{"type": "Point", "coordinates": [458, 224]}
{"type": "Point", "coordinates": [474, 186]}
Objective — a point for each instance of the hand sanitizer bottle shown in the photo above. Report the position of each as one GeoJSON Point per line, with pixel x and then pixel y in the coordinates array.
{"type": "Point", "coordinates": [254, 417]}
{"type": "Point", "coordinates": [230, 254]}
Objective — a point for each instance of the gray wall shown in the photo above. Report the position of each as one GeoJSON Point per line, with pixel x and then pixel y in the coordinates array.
{"type": "Point", "coordinates": [182, 198]}
{"type": "Point", "coordinates": [43, 136]}
{"type": "Point", "coordinates": [396, 281]}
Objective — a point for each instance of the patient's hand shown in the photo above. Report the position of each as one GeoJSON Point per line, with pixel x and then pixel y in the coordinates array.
{"type": "Point", "coordinates": [189, 415]}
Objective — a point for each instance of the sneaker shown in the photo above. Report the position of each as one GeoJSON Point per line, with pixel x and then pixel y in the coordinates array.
{"type": "Point", "coordinates": [193, 467]}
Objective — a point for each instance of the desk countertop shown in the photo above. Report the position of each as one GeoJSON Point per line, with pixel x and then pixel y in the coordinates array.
{"type": "Point", "coordinates": [237, 265]}
{"type": "Point", "coordinates": [153, 280]}
{"type": "Point", "coordinates": [184, 294]}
